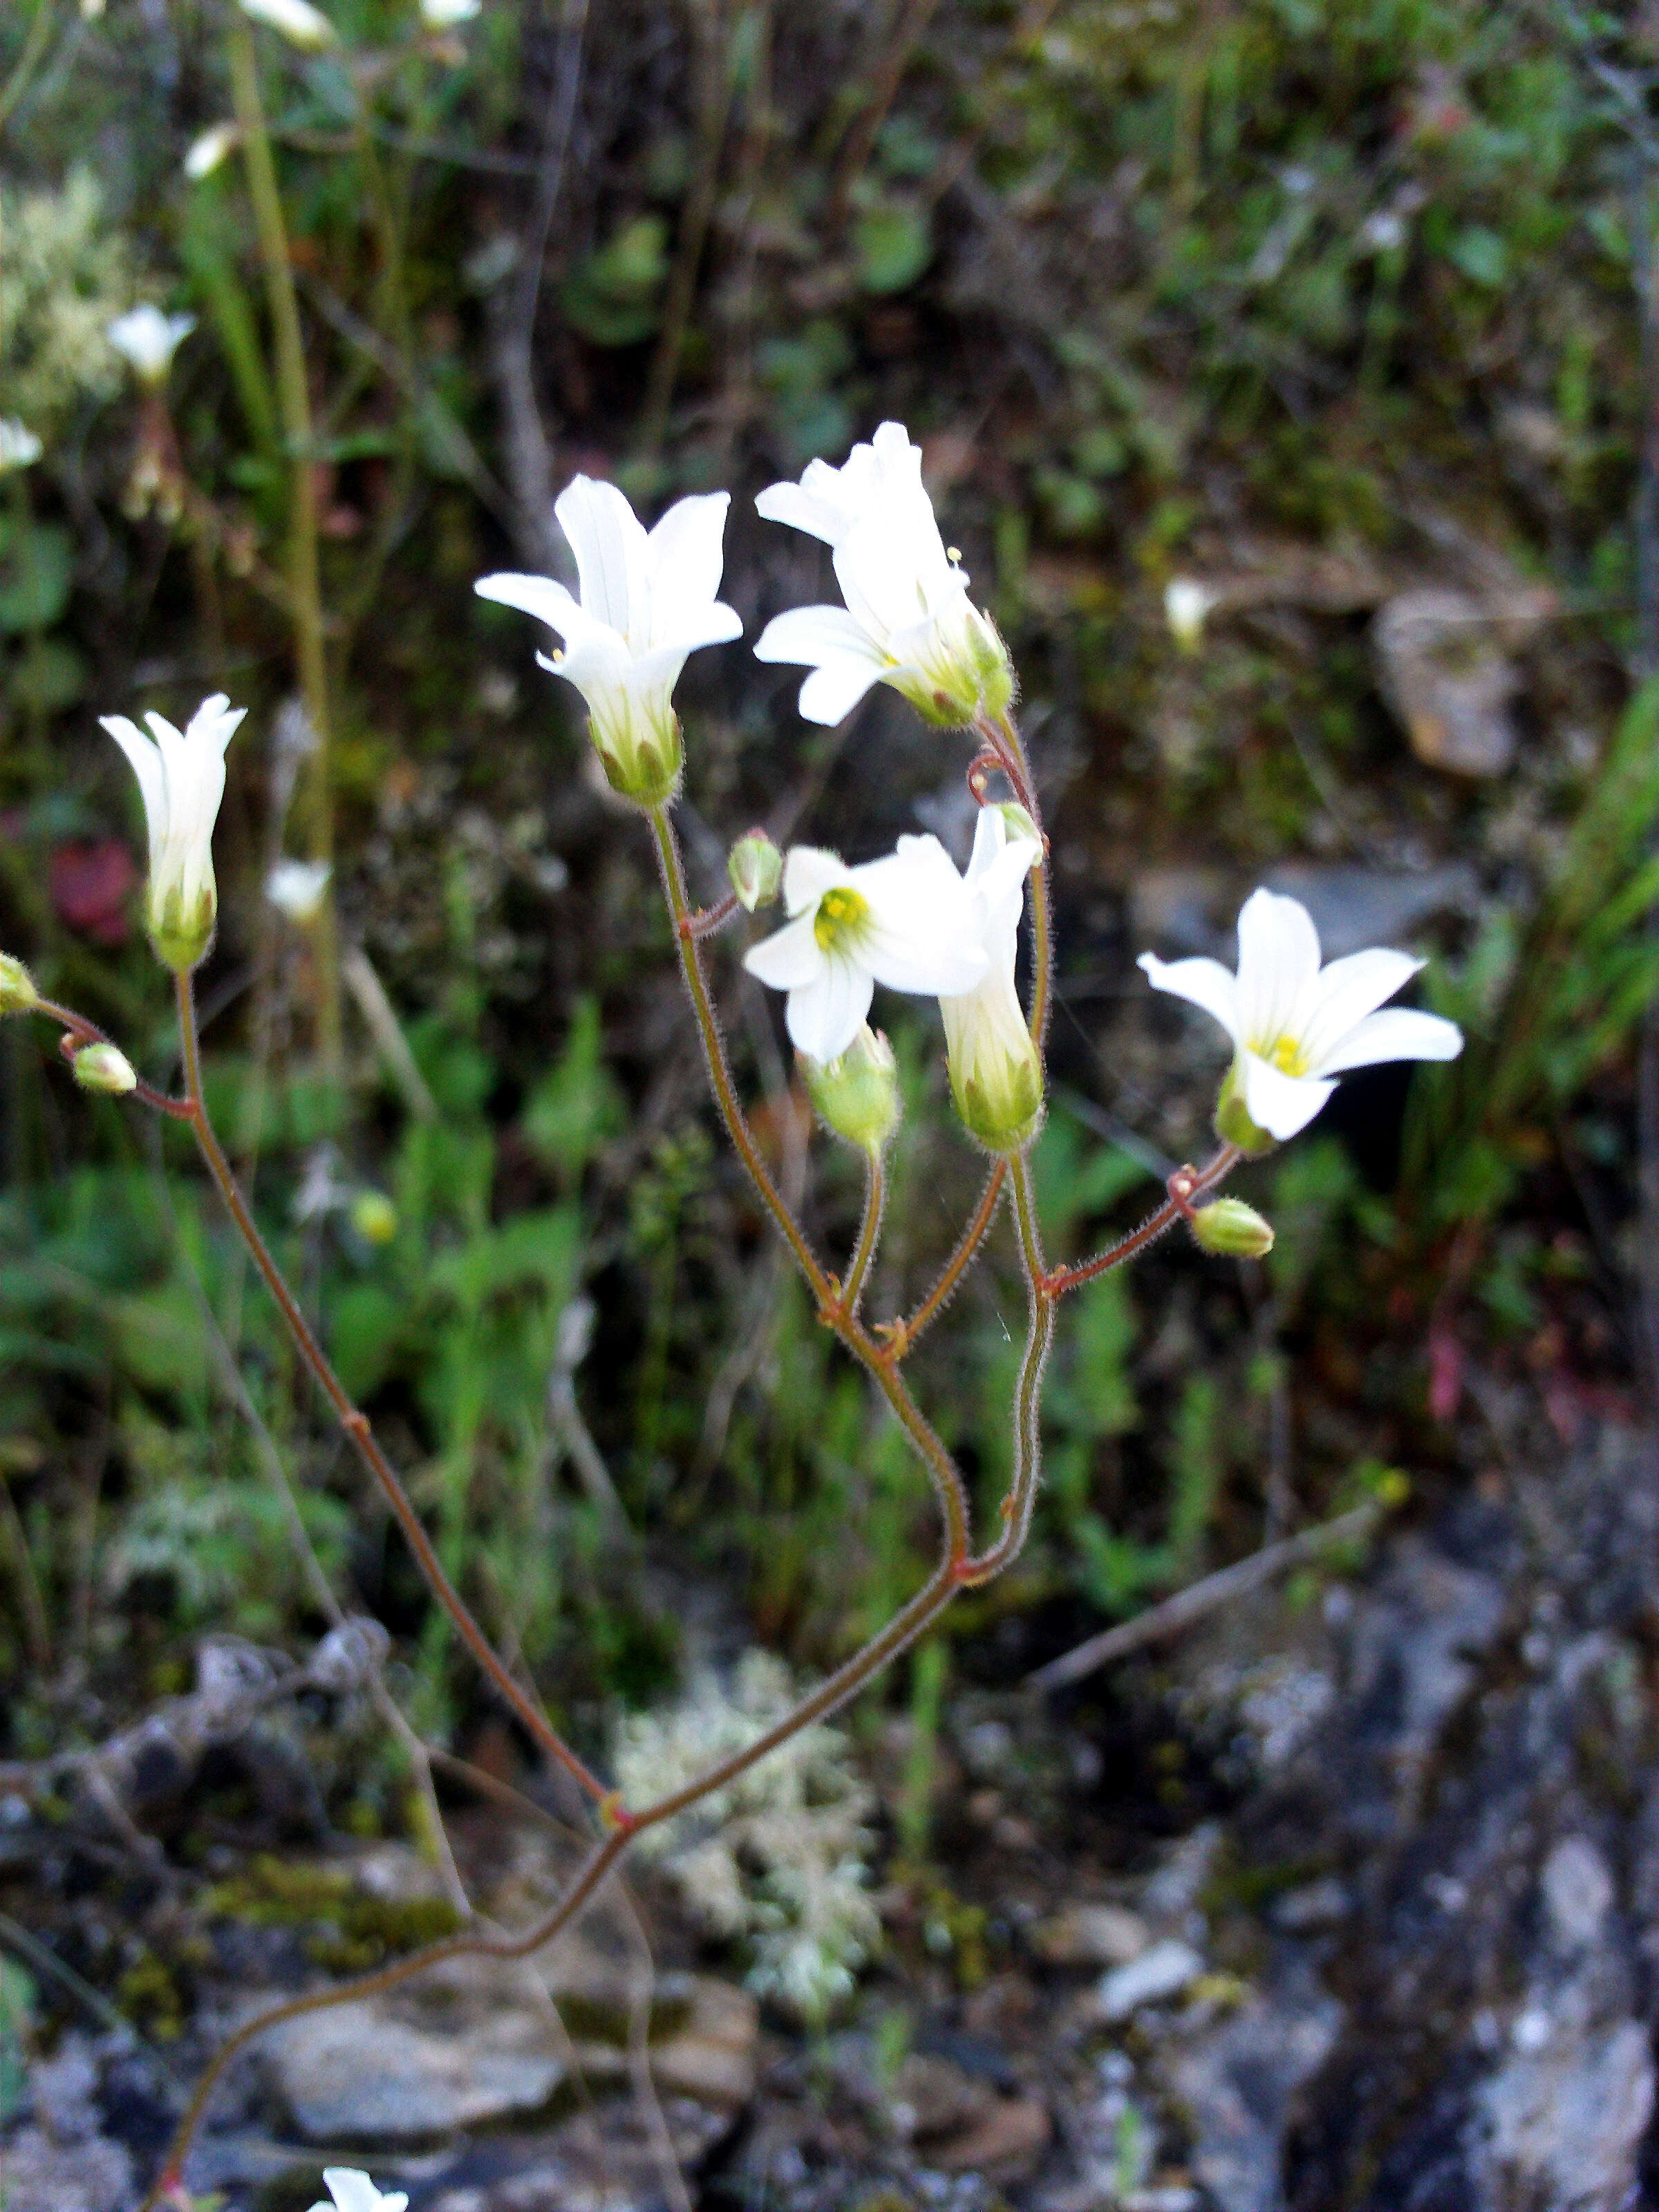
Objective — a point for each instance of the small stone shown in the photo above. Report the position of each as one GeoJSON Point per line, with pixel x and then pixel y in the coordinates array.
{"type": "Point", "coordinates": [44, 2175]}
{"type": "Point", "coordinates": [930, 2096]}
{"type": "Point", "coordinates": [1445, 668]}
{"type": "Point", "coordinates": [1158, 1974]}
{"type": "Point", "coordinates": [712, 2058]}
{"type": "Point", "coordinates": [1577, 1893]}
{"type": "Point", "coordinates": [1092, 1936]}
{"type": "Point", "coordinates": [1003, 2145]}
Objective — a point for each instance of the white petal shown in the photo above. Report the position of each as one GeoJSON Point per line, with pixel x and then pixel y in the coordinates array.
{"type": "Point", "coordinates": [796, 506]}
{"type": "Point", "coordinates": [688, 555]}
{"type": "Point", "coordinates": [1204, 983]}
{"type": "Point", "coordinates": [1279, 1103]}
{"type": "Point", "coordinates": [540, 596]}
{"type": "Point", "coordinates": [353, 2191]}
{"type": "Point", "coordinates": [824, 1017]}
{"type": "Point", "coordinates": [146, 761]}
{"type": "Point", "coordinates": [790, 959]}
{"type": "Point", "coordinates": [921, 934]}
{"type": "Point", "coordinates": [830, 693]}
{"type": "Point", "coordinates": [1343, 994]}
{"type": "Point", "coordinates": [1397, 1033]}
{"type": "Point", "coordinates": [1277, 960]}
{"type": "Point", "coordinates": [608, 543]}
{"type": "Point", "coordinates": [814, 635]}
{"type": "Point", "coordinates": [808, 872]}
{"type": "Point", "coordinates": [215, 722]}
{"type": "Point", "coordinates": [880, 568]}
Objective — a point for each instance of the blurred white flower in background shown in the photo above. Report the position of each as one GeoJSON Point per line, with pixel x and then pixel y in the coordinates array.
{"type": "Point", "coordinates": [904, 922]}
{"type": "Point", "coordinates": [1296, 1026]}
{"type": "Point", "coordinates": [299, 22]}
{"type": "Point", "coordinates": [907, 621]}
{"type": "Point", "coordinates": [445, 15]}
{"type": "Point", "coordinates": [18, 446]}
{"type": "Point", "coordinates": [206, 153]}
{"type": "Point", "coordinates": [295, 888]}
{"type": "Point", "coordinates": [1187, 605]}
{"type": "Point", "coordinates": [648, 602]}
{"type": "Point", "coordinates": [147, 339]}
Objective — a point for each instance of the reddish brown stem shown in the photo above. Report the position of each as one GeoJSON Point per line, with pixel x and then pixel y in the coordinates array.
{"type": "Point", "coordinates": [1185, 1185]}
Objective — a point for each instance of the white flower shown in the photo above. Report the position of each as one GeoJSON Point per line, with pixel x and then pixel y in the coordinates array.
{"type": "Point", "coordinates": [1295, 1026]}
{"type": "Point", "coordinates": [996, 1070]}
{"type": "Point", "coordinates": [445, 15]}
{"type": "Point", "coordinates": [648, 601]}
{"type": "Point", "coordinates": [181, 776]}
{"type": "Point", "coordinates": [908, 621]}
{"type": "Point", "coordinates": [148, 340]}
{"type": "Point", "coordinates": [353, 2191]}
{"type": "Point", "coordinates": [299, 23]}
{"type": "Point", "coordinates": [207, 152]}
{"type": "Point", "coordinates": [18, 446]}
{"type": "Point", "coordinates": [1187, 605]}
{"type": "Point", "coordinates": [904, 922]}
{"type": "Point", "coordinates": [295, 888]}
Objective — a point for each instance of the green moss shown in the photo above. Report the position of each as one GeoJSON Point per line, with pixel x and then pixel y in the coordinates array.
{"type": "Point", "coordinates": [354, 1929]}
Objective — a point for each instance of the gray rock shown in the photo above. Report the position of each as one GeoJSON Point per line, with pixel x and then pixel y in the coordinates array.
{"type": "Point", "coordinates": [1090, 1936]}
{"type": "Point", "coordinates": [41, 2173]}
{"type": "Point", "coordinates": [464, 2043]}
{"type": "Point", "coordinates": [1445, 667]}
{"type": "Point", "coordinates": [1563, 2125]}
{"type": "Point", "coordinates": [1162, 1971]}
{"type": "Point", "coordinates": [1236, 2082]}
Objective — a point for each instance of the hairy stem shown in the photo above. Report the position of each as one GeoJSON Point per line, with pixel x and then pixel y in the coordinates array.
{"type": "Point", "coordinates": [875, 1204]}
{"type": "Point", "coordinates": [305, 589]}
{"type": "Point", "coordinates": [355, 1424]}
{"type": "Point", "coordinates": [1194, 1182]}
{"type": "Point", "coordinates": [1041, 1298]}
{"type": "Point", "coordinates": [902, 1334]}
{"type": "Point", "coordinates": [941, 1467]}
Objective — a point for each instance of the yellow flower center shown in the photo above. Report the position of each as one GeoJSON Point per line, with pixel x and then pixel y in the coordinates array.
{"type": "Point", "coordinates": [1285, 1053]}
{"type": "Point", "coordinates": [842, 914]}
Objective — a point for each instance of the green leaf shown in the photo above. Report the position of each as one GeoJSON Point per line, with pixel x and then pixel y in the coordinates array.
{"type": "Point", "coordinates": [1481, 255]}
{"type": "Point", "coordinates": [894, 243]}
{"type": "Point", "coordinates": [576, 1105]}
{"type": "Point", "coordinates": [37, 567]}
{"type": "Point", "coordinates": [612, 298]}
{"type": "Point", "coordinates": [366, 1321]}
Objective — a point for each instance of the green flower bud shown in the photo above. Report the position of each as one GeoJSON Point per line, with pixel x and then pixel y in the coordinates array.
{"type": "Point", "coordinates": [17, 991]}
{"type": "Point", "coordinates": [374, 1217]}
{"type": "Point", "coordinates": [1231, 1229]}
{"type": "Point", "coordinates": [104, 1067]}
{"type": "Point", "coordinates": [1233, 1124]}
{"type": "Point", "coordinates": [755, 867]}
{"type": "Point", "coordinates": [857, 1096]}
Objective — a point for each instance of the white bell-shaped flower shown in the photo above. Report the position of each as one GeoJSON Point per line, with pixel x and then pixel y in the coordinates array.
{"type": "Point", "coordinates": [648, 601]}
{"type": "Point", "coordinates": [353, 2191]}
{"type": "Point", "coordinates": [904, 922]}
{"type": "Point", "coordinates": [296, 889]}
{"type": "Point", "coordinates": [996, 1070]}
{"type": "Point", "coordinates": [907, 621]}
{"type": "Point", "coordinates": [1295, 1026]}
{"type": "Point", "coordinates": [147, 340]}
{"type": "Point", "coordinates": [181, 776]}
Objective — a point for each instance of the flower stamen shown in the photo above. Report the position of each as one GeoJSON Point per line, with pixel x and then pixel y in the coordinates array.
{"type": "Point", "coordinates": [841, 915]}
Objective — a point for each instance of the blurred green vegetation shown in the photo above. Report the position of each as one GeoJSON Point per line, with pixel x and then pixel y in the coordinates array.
{"type": "Point", "coordinates": [1165, 288]}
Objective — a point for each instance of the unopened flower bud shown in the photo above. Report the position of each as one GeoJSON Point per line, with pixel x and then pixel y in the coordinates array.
{"type": "Point", "coordinates": [105, 1067]}
{"type": "Point", "coordinates": [857, 1096]}
{"type": "Point", "coordinates": [17, 991]}
{"type": "Point", "coordinates": [374, 1217]}
{"type": "Point", "coordinates": [1231, 1229]}
{"type": "Point", "coordinates": [1233, 1124]}
{"type": "Point", "coordinates": [755, 867]}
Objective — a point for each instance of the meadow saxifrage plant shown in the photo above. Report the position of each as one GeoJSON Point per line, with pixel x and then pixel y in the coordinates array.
{"type": "Point", "coordinates": [907, 920]}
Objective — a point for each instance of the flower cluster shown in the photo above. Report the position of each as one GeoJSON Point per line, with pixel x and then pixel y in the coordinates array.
{"type": "Point", "coordinates": [907, 921]}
